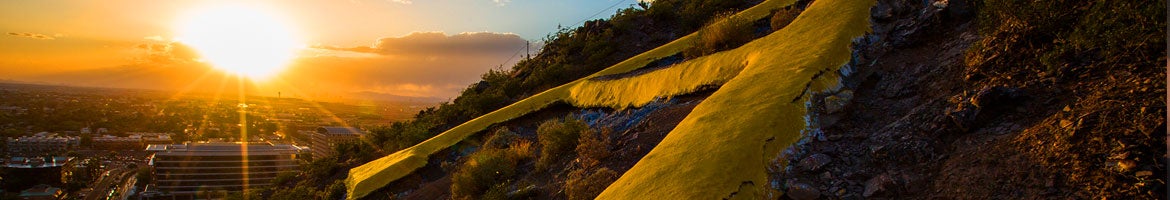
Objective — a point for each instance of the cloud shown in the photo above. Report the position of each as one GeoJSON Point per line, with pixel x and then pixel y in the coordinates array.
{"type": "Point", "coordinates": [406, 2]}
{"type": "Point", "coordinates": [436, 75]}
{"type": "Point", "coordinates": [421, 64]}
{"type": "Point", "coordinates": [165, 53]}
{"type": "Point", "coordinates": [33, 35]}
{"type": "Point", "coordinates": [502, 2]}
{"type": "Point", "coordinates": [425, 43]}
{"type": "Point", "coordinates": [154, 38]}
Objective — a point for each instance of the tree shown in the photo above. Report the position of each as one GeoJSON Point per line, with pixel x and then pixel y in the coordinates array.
{"type": "Point", "coordinates": [144, 176]}
{"type": "Point", "coordinates": [86, 140]}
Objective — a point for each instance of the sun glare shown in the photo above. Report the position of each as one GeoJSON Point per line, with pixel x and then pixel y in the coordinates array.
{"type": "Point", "coordinates": [246, 41]}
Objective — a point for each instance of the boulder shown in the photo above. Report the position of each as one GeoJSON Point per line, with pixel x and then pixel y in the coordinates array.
{"type": "Point", "coordinates": [803, 191]}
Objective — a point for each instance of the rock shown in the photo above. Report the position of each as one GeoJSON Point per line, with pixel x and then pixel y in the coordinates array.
{"type": "Point", "coordinates": [963, 115]}
{"type": "Point", "coordinates": [958, 9]}
{"type": "Point", "coordinates": [1119, 156]}
{"type": "Point", "coordinates": [803, 191]}
{"type": "Point", "coordinates": [881, 11]}
{"type": "Point", "coordinates": [815, 162]}
{"type": "Point", "coordinates": [1144, 173]}
{"type": "Point", "coordinates": [827, 176]}
{"type": "Point", "coordinates": [878, 151]}
{"type": "Point", "coordinates": [996, 96]}
{"type": "Point", "coordinates": [939, 4]}
{"type": "Point", "coordinates": [526, 192]}
{"type": "Point", "coordinates": [1126, 165]}
{"type": "Point", "coordinates": [878, 185]}
{"type": "Point", "coordinates": [837, 103]}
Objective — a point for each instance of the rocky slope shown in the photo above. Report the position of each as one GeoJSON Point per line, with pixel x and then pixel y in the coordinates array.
{"type": "Point", "coordinates": [928, 114]}
{"type": "Point", "coordinates": [944, 99]}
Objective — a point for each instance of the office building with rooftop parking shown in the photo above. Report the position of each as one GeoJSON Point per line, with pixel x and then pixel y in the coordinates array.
{"type": "Point", "coordinates": [190, 168]}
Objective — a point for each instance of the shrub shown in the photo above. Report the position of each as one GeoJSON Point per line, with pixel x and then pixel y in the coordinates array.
{"type": "Point", "coordinates": [354, 152]}
{"type": "Point", "coordinates": [285, 178]}
{"type": "Point", "coordinates": [1060, 37]}
{"type": "Point", "coordinates": [723, 32]}
{"type": "Point", "coordinates": [558, 140]}
{"type": "Point", "coordinates": [322, 168]}
{"type": "Point", "coordinates": [482, 171]}
{"type": "Point", "coordinates": [783, 17]}
{"type": "Point", "coordinates": [496, 192]}
{"type": "Point", "coordinates": [304, 190]}
{"type": "Point", "coordinates": [580, 186]}
{"type": "Point", "coordinates": [593, 147]}
{"type": "Point", "coordinates": [487, 173]}
{"type": "Point", "coordinates": [521, 150]}
{"type": "Point", "coordinates": [335, 190]}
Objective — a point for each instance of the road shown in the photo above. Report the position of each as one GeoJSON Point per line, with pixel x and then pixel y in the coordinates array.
{"type": "Point", "coordinates": [102, 189]}
{"type": "Point", "coordinates": [127, 187]}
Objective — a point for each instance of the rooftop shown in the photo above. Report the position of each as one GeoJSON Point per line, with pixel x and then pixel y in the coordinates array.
{"type": "Point", "coordinates": [339, 130]}
{"type": "Point", "coordinates": [40, 191]}
{"type": "Point", "coordinates": [221, 148]}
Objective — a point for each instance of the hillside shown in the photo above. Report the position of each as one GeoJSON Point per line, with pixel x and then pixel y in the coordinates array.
{"type": "Point", "coordinates": [791, 99]}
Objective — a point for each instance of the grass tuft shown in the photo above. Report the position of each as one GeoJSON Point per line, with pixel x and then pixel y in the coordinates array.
{"type": "Point", "coordinates": [723, 33]}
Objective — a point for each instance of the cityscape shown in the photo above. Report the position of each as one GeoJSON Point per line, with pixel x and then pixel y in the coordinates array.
{"type": "Point", "coordinates": [65, 142]}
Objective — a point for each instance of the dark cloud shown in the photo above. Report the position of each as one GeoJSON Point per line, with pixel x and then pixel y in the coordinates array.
{"type": "Point", "coordinates": [439, 43]}
{"type": "Point", "coordinates": [32, 35]}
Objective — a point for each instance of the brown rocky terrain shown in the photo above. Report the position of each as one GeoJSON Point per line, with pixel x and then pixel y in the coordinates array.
{"type": "Point", "coordinates": [926, 116]}
{"type": "Point", "coordinates": [942, 101]}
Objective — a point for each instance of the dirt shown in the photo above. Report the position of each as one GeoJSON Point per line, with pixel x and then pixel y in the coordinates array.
{"type": "Point", "coordinates": [923, 124]}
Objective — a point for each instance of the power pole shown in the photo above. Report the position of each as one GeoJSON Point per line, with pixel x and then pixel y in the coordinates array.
{"type": "Point", "coordinates": [527, 53]}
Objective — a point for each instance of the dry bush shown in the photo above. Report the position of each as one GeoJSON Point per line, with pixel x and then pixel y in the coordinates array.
{"type": "Point", "coordinates": [724, 32]}
{"type": "Point", "coordinates": [593, 147]}
{"type": "Point", "coordinates": [522, 150]}
{"type": "Point", "coordinates": [581, 186]}
{"type": "Point", "coordinates": [482, 171]}
{"type": "Point", "coordinates": [558, 140]}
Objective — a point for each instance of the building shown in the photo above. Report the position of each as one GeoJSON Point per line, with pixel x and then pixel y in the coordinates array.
{"type": "Point", "coordinates": [328, 136]}
{"type": "Point", "coordinates": [191, 168]}
{"type": "Point", "coordinates": [41, 192]}
{"type": "Point", "coordinates": [152, 138]}
{"type": "Point", "coordinates": [162, 139]}
{"type": "Point", "coordinates": [110, 142]}
{"type": "Point", "coordinates": [132, 142]}
{"type": "Point", "coordinates": [13, 110]}
{"type": "Point", "coordinates": [36, 162]}
{"type": "Point", "coordinates": [38, 145]}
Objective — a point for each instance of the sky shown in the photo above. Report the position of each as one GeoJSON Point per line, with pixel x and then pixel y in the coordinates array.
{"type": "Point", "coordinates": [300, 48]}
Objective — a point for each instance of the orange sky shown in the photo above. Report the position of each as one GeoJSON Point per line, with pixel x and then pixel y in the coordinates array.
{"type": "Point", "coordinates": [417, 48]}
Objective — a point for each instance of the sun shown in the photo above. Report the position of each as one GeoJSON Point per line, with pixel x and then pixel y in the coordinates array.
{"type": "Point", "coordinates": [244, 40]}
